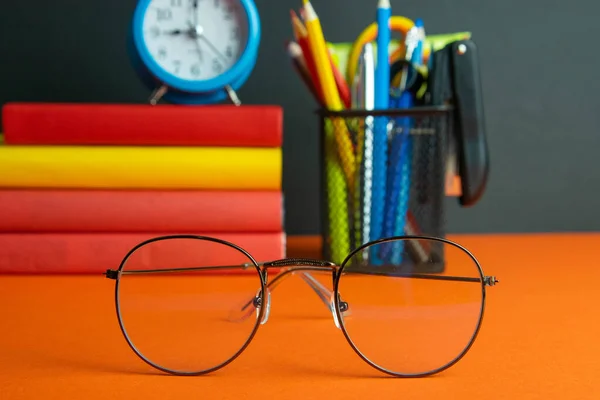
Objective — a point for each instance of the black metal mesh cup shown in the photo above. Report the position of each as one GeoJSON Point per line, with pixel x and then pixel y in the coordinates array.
{"type": "Point", "coordinates": [369, 194]}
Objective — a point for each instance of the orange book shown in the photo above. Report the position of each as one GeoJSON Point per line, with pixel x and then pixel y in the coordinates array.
{"type": "Point", "coordinates": [54, 210]}
{"type": "Point", "coordinates": [94, 253]}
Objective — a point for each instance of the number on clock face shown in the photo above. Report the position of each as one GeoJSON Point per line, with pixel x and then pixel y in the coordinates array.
{"type": "Point", "coordinates": [195, 43]}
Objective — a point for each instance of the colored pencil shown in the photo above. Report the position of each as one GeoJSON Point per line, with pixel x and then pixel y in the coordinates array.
{"type": "Point", "coordinates": [330, 92]}
{"type": "Point", "coordinates": [301, 35]}
{"type": "Point", "coordinates": [297, 57]}
{"type": "Point", "coordinates": [340, 83]}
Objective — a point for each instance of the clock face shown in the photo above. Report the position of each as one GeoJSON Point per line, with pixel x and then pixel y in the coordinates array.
{"type": "Point", "coordinates": [195, 40]}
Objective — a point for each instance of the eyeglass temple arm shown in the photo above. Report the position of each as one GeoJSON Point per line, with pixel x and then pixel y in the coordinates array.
{"type": "Point", "coordinates": [114, 274]}
{"type": "Point", "coordinates": [316, 285]}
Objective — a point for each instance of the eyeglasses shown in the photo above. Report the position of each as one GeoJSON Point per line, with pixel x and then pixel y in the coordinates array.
{"type": "Point", "coordinates": [409, 306]}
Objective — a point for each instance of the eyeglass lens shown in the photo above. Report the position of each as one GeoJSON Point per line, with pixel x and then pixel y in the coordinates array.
{"type": "Point", "coordinates": [400, 317]}
{"type": "Point", "coordinates": [182, 321]}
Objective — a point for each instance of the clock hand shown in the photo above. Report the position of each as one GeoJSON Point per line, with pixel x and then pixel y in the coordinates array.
{"type": "Point", "coordinates": [175, 32]}
{"type": "Point", "coordinates": [195, 12]}
{"type": "Point", "coordinates": [199, 50]}
{"type": "Point", "coordinates": [217, 52]}
{"type": "Point", "coordinates": [198, 33]}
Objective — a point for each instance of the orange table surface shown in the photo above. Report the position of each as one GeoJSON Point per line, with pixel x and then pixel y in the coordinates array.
{"type": "Point", "coordinates": [60, 339]}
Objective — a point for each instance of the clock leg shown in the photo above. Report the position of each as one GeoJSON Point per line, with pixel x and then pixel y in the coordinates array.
{"type": "Point", "coordinates": [157, 94]}
{"type": "Point", "coordinates": [233, 95]}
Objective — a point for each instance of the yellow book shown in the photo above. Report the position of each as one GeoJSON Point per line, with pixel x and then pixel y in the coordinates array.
{"type": "Point", "coordinates": [137, 167]}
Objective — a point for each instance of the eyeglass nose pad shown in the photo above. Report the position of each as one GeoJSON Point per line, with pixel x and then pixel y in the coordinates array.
{"type": "Point", "coordinates": [258, 304]}
{"type": "Point", "coordinates": [332, 308]}
{"type": "Point", "coordinates": [343, 309]}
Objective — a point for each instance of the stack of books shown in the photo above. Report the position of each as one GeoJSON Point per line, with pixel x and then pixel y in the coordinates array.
{"type": "Point", "coordinates": [82, 184]}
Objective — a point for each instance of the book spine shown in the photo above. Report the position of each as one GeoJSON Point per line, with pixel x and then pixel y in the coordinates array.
{"type": "Point", "coordinates": [30, 210]}
{"type": "Point", "coordinates": [139, 167]}
{"type": "Point", "coordinates": [94, 253]}
{"type": "Point", "coordinates": [133, 124]}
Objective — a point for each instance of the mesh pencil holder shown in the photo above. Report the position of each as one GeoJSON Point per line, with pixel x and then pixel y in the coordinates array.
{"type": "Point", "coordinates": [383, 175]}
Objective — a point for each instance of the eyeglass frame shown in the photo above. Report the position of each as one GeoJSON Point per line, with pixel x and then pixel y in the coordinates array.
{"type": "Point", "coordinates": [304, 265]}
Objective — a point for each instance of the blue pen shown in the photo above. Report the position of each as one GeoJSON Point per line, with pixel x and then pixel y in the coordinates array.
{"type": "Point", "coordinates": [399, 175]}
{"type": "Point", "coordinates": [417, 56]}
{"type": "Point", "coordinates": [406, 153]}
{"type": "Point", "coordinates": [382, 90]}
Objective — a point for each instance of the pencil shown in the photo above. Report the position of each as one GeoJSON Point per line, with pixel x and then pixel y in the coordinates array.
{"type": "Point", "coordinates": [295, 53]}
{"type": "Point", "coordinates": [330, 92]}
{"type": "Point", "coordinates": [379, 189]}
{"type": "Point", "coordinates": [297, 26]}
{"type": "Point", "coordinates": [303, 14]}
{"type": "Point", "coordinates": [301, 35]}
{"type": "Point", "coordinates": [340, 83]}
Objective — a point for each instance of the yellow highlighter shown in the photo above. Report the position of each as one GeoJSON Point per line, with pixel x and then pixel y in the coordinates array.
{"type": "Point", "coordinates": [330, 93]}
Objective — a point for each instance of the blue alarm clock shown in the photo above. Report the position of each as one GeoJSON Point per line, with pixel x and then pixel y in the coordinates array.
{"type": "Point", "coordinates": [194, 51]}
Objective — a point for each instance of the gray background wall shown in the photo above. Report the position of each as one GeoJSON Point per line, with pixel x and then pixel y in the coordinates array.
{"type": "Point", "coordinates": [538, 60]}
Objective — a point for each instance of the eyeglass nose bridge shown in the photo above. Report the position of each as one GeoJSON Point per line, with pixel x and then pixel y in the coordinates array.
{"type": "Point", "coordinates": [304, 266]}
{"type": "Point", "coordinates": [291, 266]}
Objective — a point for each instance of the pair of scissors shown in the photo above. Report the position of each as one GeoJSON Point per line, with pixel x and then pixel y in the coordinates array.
{"type": "Point", "coordinates": [398, 24]}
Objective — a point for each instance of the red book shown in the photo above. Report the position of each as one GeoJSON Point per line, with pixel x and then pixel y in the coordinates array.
{"type": "Point", "coordinates": [139, 124]}
{"type": "Point", "coordinates": [94, 253]}
{"type": "Point", "coordinates": [55, 210]}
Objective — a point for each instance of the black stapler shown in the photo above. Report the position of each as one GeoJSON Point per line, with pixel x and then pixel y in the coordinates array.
{"type": "Point", "coordinates": [455, 81]}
